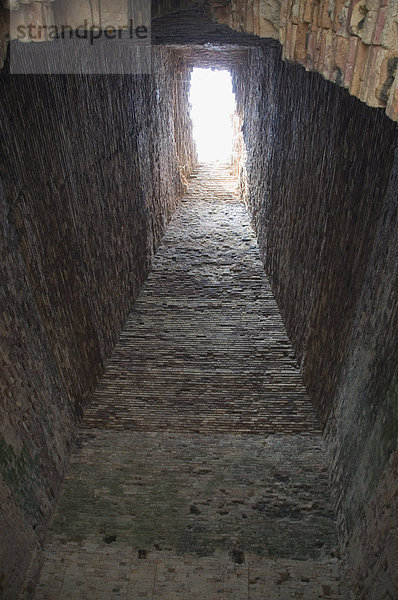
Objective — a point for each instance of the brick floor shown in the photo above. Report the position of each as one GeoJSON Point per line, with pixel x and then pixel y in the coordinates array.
{"type": "Point", "coordinates": [199, 470]}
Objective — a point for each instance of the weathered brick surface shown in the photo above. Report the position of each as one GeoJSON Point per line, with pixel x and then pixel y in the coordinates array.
{"type": "Point", "coordinates": [315, 189]}
{"type": "Point", "coordinates": [371, 557]}
{"type": "Point", "coordinates": [326, 219]}
{"type": "Point", "coordinates": [319, 35]}
{"type": "Point", "coordinates": [175, 466]}
{"type": "Point", "coordinates": [204, 348]}
{"type": "Point", "coordinates": [84, 204]}
{"type": "Point", "coordinates": [95, 572]}
{"type": "Point", "coordinates": [316, 196]}
{"type": "Point", "coordinates": [362, 465]}
{"type": "Point", "coordinates": [199, 493]}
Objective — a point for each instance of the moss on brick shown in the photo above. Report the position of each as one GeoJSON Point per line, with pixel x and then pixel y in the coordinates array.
{"type": "Point", "coordinates": [20, 472]}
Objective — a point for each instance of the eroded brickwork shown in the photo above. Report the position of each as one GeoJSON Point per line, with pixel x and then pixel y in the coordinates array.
{"type": "Point", "coordinates": [204, 348]}
{"type": "Point", "coordinates": [362, 465]}
{"type": "Point", "coordinates": [353, 43]}
{"type": "Point", "coordinates": [171, 516]}
{"type": "Point", "coordinates": [319, 164]}
{"type": "Point", "coordinates": [198, 473]}
{"type": "Point", "coordinates": [370, 564]}
{"type": "Point", "coordinates": [316, 197]}
{"type": "Point", "coordinates": [90, 177]}
{"type": "Point", "coordinates": [326, 219]}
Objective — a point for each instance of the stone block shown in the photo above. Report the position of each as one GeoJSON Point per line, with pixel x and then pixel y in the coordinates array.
{"type": "Point", "coordinates": [295, 12]}
{"type": "Point", "coordinates": [358, 71]}
{"type": "Point", "coordinates": [350, 62]}
{"type": "Point", "coordinates": [300, 48]}
{"type": "Point", "coordinates": [392, 103]}
{"type": "Point", "coordinates": [248, 17]}
{"type": "Point", "coordinates": [267, 29]}
{"type": "Point", "coordinates": [315, 14]}
{"type": "Point", "coordinates": [270, 11]}
{"type": "Point", "coordinates": [284, 12]}
{"type": "Point", "coordinates": [307, 13]}
{"type": "Point", "coordinates": [78, 14]}
{"type": "Point", "coordinates": [324, 19]}
{"type": "Point", "coordinates": [340, 51]}
{"type": "Point", "coordinates": [320, 45]}
{"type": "Point", "coordinates": [373, 74]}
{"type": "Point", "coordinates": [379, 25]}
{"type": "Point", "coordinates": [356, 16]}
{"type": "Point", "coordinates": [39, 18]}
{"type": "Point", "coordinates": [368, 26]}
{"type": "Point", "coordinates": [287, 47]}
{"type": "Point", "coordinates": [388, 34]}
{"type": "Point", "coordinates": [340, 17]}
{"type": "Point", "coordinates": [311, 50]}
{"type": "Point", "coordinates": [327, 66]}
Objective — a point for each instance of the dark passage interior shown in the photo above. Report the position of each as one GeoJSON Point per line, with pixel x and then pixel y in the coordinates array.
{"type": "Point", "coordinates": [93, 168]}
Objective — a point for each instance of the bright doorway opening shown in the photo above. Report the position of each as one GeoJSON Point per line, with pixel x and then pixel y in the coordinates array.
{"type": "Point", "coordinates": [212, 109]}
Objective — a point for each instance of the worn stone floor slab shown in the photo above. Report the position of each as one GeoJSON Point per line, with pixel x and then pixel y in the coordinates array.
{"type": "Point", "coordinates": [199, 470]}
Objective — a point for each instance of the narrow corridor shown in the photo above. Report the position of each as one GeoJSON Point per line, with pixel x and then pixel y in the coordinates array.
{"type": "Point", "coordinates": [199, 470]}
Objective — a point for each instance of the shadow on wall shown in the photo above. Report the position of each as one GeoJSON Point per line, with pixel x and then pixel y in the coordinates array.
{"type": "Point", "coordinates": [84, 204]}
{"type": "Point", "coordinates": [323, 198]}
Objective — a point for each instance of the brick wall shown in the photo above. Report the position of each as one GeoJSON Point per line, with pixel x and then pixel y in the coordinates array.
{"type": "Point", "coordinates": [370, 563]}
{"type": "Point", "coordinates": [363, 433]}
{"type": "Point", "coordinates": [89, 178]}
{"type": "Point", "coordinates": [324, 205]}
{"type": "Point", "coordinates": [353, 43]}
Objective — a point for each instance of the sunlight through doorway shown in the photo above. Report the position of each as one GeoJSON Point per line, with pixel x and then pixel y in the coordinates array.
{"type": "Point", "coordinates": [212, 109]}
